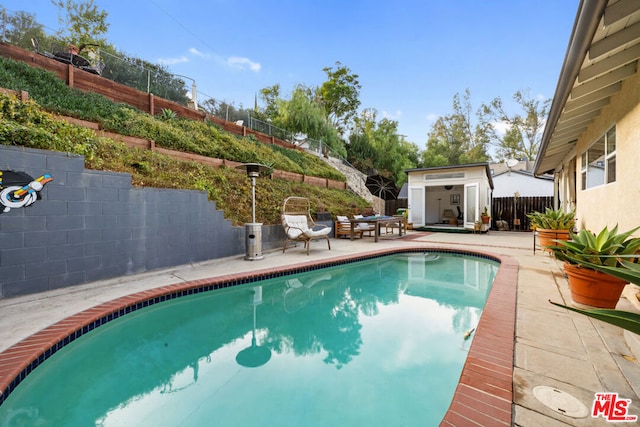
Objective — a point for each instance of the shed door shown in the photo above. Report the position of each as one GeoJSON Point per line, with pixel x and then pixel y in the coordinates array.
{"type": "Point", "coordinates": [416, 206]}
{"type": "Point", "coordinates": [471, 204]}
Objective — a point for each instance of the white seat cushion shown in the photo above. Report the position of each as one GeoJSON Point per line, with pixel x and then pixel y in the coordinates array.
{"type": "Point", "coordinates": [297, 225]}
{"type": "Point", "coordinates": [317, 233]}
{"type": "Point", "coordinates": [362, 225]}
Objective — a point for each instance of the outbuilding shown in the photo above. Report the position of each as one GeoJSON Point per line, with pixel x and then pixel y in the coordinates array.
{"type": "Point", "coordinates": [452, 196]}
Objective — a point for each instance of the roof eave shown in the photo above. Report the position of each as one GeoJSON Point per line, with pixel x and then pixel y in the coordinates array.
{"type": "Point", "coordinates": [587, 20]}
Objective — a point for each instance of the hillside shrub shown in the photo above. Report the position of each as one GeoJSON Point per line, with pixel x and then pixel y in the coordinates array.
{"type": "Point", "coordinates": [177, 134]}
{"type": "Point", "coordinates": [26, 124]}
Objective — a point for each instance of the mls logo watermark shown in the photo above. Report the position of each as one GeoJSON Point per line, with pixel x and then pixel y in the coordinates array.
{"type": "Point", "coordinates": [612, 408]}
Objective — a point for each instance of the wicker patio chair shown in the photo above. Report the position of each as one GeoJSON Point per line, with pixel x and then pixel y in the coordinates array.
{"type": "Point", "coordinates": [298, 224]}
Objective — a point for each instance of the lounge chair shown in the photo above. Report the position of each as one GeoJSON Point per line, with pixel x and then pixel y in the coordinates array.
{"type": "Point", "coordinates": [343, 228]}
{"type": "Point", "coordinates": [298, 224]}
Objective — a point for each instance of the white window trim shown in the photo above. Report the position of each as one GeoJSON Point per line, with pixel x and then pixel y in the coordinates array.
{"type": "Point", "coordinates": [584, 165]}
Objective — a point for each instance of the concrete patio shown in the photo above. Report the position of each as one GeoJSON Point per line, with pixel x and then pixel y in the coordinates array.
{"type": "Point", "coordinates": [553, 347]}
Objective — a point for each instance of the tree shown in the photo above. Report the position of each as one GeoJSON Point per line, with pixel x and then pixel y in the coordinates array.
{"type": "Point", "coordinates": [20, 27]}
{"type": "Point", "coordinates": [142, 75]}
{"type": "Point", "coordinates": [303, 114]}
{"type": "Point", "coordinates": [270, 96]}
{"type": "Point", "coordinates": [361, 153]}
{"type": "Point", "coordinates": [339, 96]}
{"type": "Point", "coordinates": [457, 138]}
{"type": "Point", "coordinates": [226, 111]}
{"type": "Point", "coordinates": [376, 147]}
{"type": "Point", "coordinates": [83, 23]}
{"type": "Point", "coordinates": [408, 158]}
{"type": "Point", "coordinates": [524, 133]}
{"type": "Point", "coordinates": [433, 156]}
{"type": "Point", "coordinates": [510, 146]}
{"type": "Point", "coordinates": [395, 154]}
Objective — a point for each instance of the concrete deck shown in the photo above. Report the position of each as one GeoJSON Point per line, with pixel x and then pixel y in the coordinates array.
{"type": "Point", "coordinates": [553, 347]}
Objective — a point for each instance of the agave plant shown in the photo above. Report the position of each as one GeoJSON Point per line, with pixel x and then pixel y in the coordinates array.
{"type": "Point", "coordinates": [552, 219]}
{"type": "Point", "coordinates": [622, 269]}
{"type": "Point", "coordinates": [166, 115]}
{"type": "Point", "coordinates": [604, 248]}
{"type": "Point", "coordinates": [623, 319]}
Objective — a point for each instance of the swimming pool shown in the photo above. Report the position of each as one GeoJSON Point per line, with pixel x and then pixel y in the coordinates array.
{"type": "Point", "coordinates": [340, 341]}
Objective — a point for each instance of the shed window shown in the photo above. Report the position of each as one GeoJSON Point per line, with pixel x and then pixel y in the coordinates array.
{"type": "Point", "coordinates": [598, 164]}
{"type": "Point", "coordinates": [449, 175]}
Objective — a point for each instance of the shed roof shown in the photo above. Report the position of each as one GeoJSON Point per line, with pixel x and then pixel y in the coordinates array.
{"type": "Point", "coordinates": [465, 166]}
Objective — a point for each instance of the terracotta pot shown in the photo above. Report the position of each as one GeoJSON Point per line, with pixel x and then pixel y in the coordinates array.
{"type": "Point", "coordinates": [485, 219]}
{"type": "Point", "coordinates": [547, 237]}
{"type": "Point", "coordinates": [593, 288]}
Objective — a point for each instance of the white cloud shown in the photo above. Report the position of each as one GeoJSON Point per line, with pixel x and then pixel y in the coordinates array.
{"type": "Point", "coordinates": [196, 52]}
{"type": "Point", "coordinates": [243, 63]}
{"type": "Point", "coordinates": [391, 116]}
{"type": "Point", "coordinates": [501, 127]}
{"type": "Point", "coordinates": [432, 117]}
{"type": "Point", "coordinates": [237, 62]}
{"type": "Point", "coordinates": [172, 61]}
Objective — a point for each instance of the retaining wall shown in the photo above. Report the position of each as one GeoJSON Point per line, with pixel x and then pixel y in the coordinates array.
{"type": "Point", "coordinates": [93, 225]}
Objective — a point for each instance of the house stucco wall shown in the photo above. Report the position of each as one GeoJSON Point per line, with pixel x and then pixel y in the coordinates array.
{"type": "Point", "coordinates": [617, 202]}
{"type": "Point", "coordinates": [93, 225]}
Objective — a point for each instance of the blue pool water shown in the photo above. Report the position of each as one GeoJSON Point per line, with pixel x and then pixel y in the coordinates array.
{"type": "Point", "coordinates": [373, 343]}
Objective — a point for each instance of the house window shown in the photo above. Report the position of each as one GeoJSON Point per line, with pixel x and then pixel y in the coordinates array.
{"type": "Point", "coordinates": [598, 164]}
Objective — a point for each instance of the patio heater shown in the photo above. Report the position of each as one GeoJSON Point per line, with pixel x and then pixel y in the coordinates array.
{"type": "Point", "coordinates": [253, 230]}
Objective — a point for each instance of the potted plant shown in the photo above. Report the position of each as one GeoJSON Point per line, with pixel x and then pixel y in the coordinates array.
{"type": "Point", "coordinates": [485, 215]}
{"type": "Point", "coordinates": [589, 286]}
{"type": "Point", "coordinates": [630, 321]}
{"type": "Point", "coordinates": [552, 225]}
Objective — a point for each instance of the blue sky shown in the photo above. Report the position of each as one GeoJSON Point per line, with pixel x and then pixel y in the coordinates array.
{"type": "Point", "coordinates": [412, 57]}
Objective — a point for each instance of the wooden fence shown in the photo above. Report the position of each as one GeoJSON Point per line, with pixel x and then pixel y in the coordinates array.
{"type": "Point", "coordinates": [391, 206]}
{"type": "Point", "coordinates": [515, 213]}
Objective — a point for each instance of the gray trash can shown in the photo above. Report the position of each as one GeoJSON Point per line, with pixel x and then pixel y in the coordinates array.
{"type": "Point", "coordinates": [253, 240]}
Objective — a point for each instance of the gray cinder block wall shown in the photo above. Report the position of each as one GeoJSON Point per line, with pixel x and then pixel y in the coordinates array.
{"type": "Point", "coordinates": [93, 225]}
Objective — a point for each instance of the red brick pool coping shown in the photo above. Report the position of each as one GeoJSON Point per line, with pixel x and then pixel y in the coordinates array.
{"type": "Point", "coordinates": [484, 393]}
